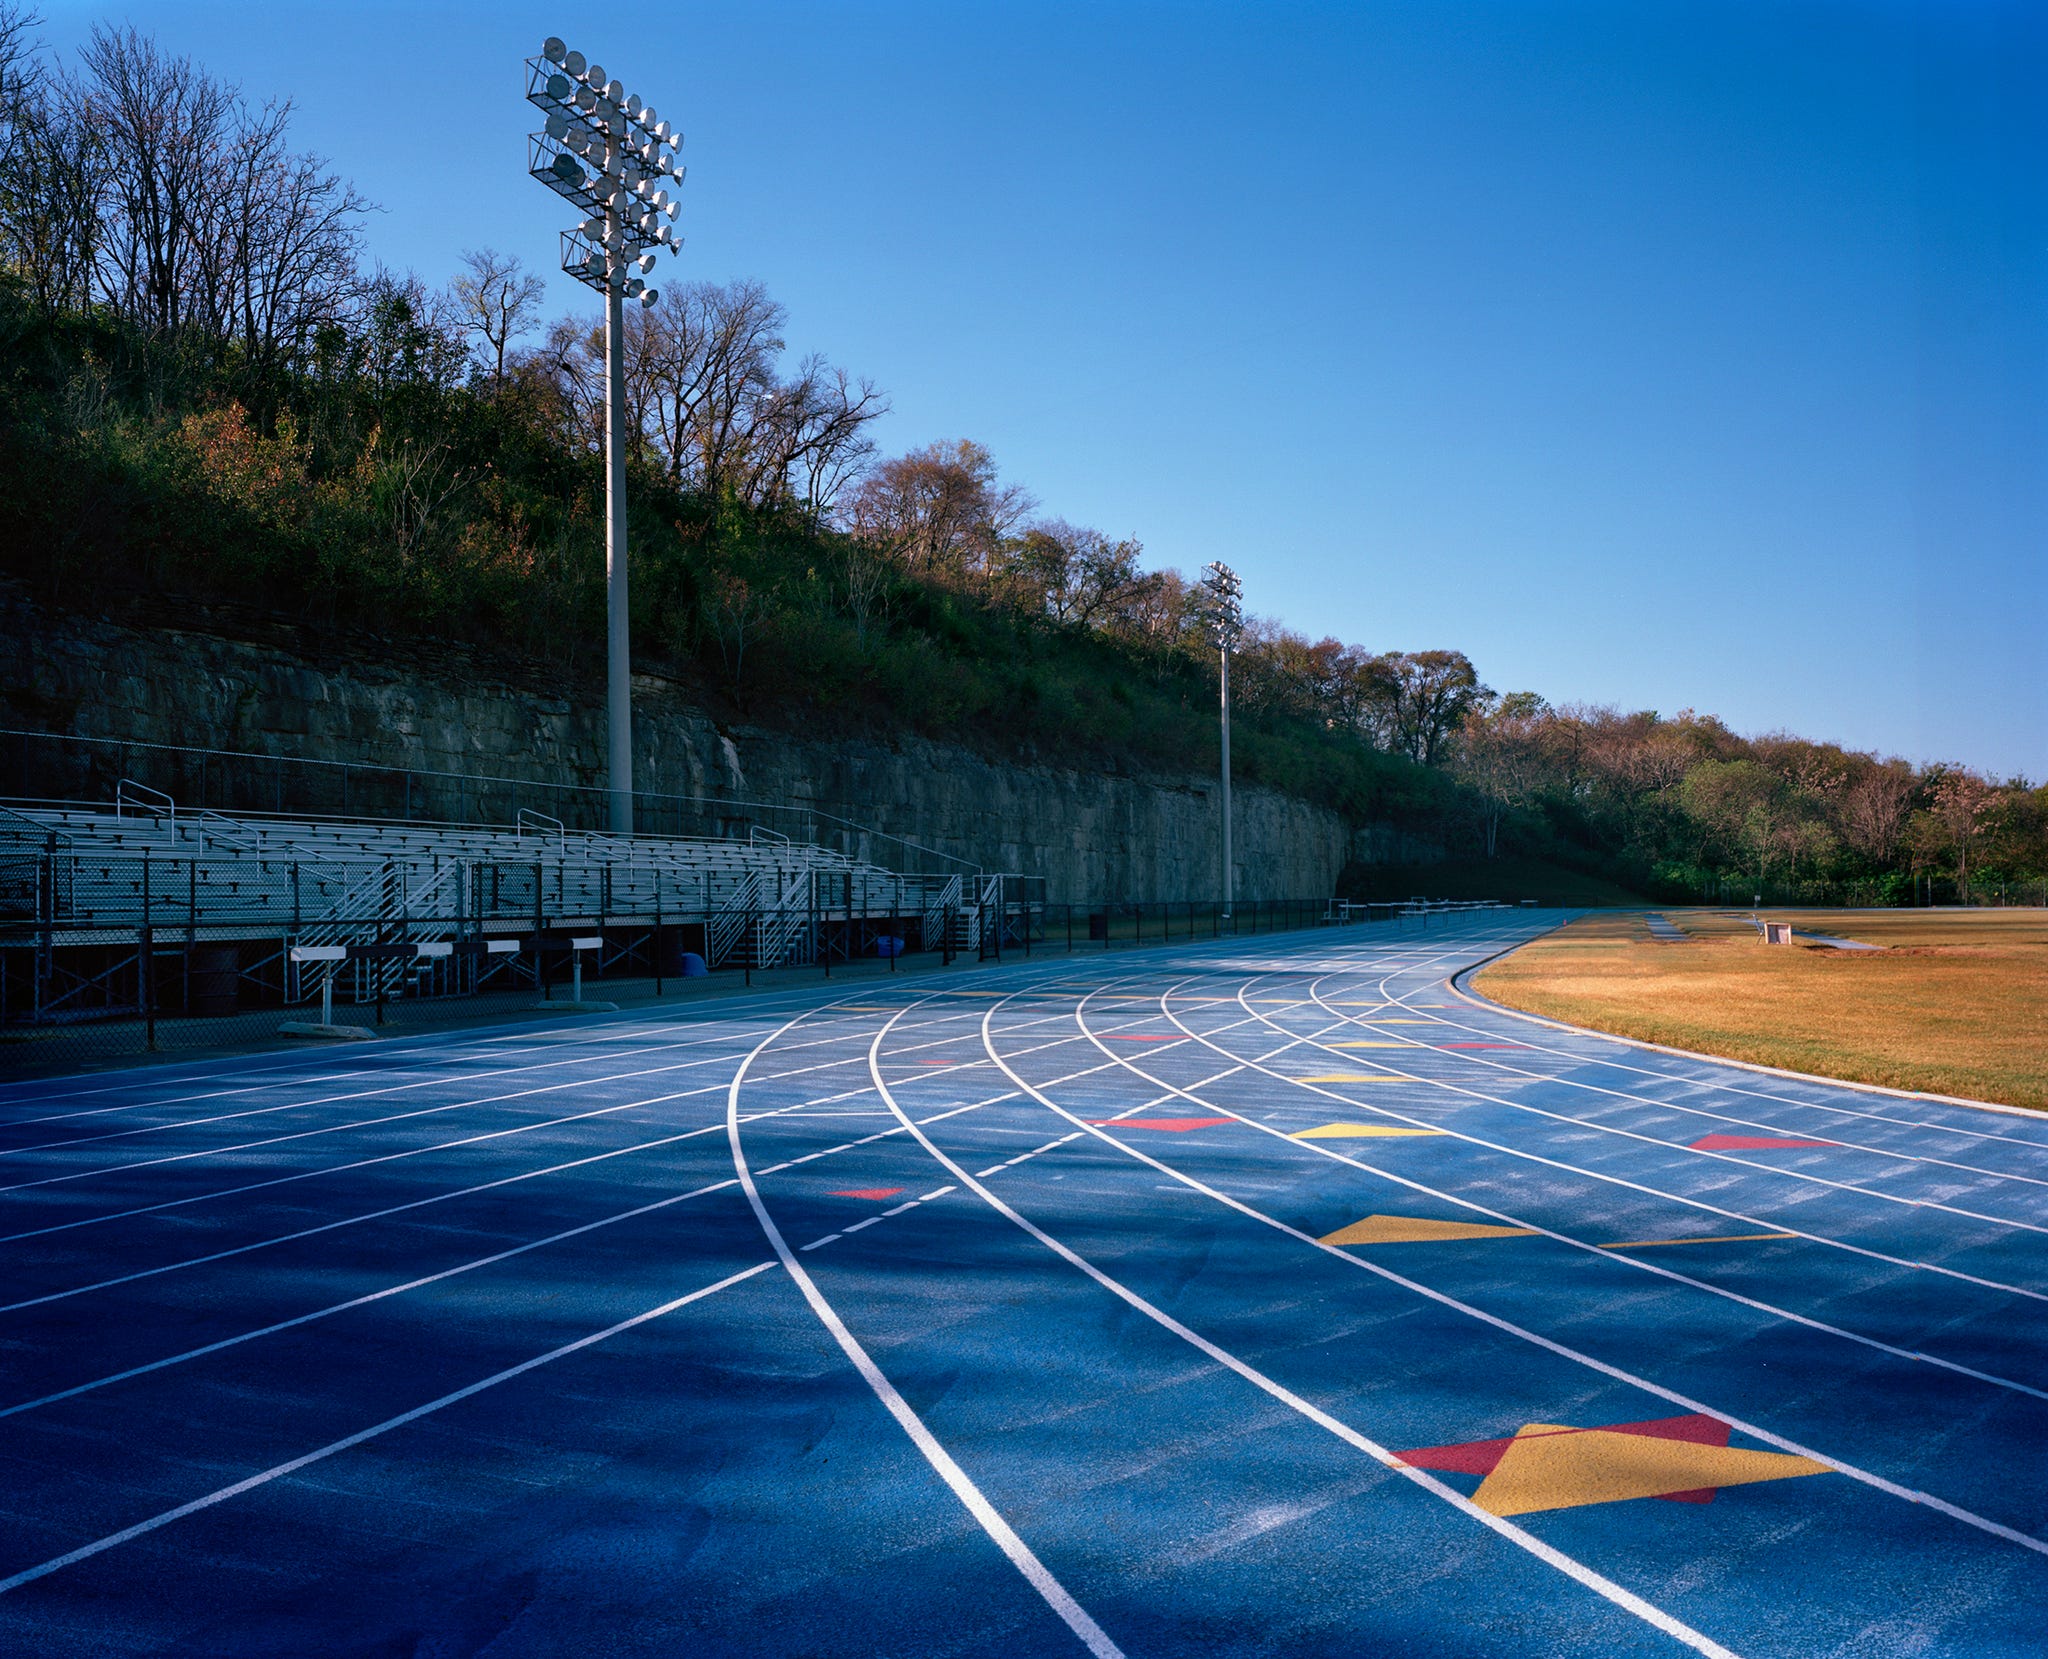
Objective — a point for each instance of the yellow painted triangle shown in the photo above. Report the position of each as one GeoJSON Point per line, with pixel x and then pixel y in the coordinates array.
{"type": "Point", "coordinates": [1344, 1131]}
{"type": "Point", "coordinates": [1552, 1466]}
{"type": "Point", "coordinates": [1403, 1043]}
{"type": "Point", "coordinates": [1414, 1229]}
{"type": "Point", "coordinates": [1349, 1077]}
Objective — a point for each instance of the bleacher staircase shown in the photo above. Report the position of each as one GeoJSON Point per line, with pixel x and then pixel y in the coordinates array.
{"type": "Point", "coordinates": [323, 882]}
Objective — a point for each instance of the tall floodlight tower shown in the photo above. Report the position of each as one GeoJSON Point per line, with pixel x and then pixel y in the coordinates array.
{"type": "Point", "coordinates": [606, 154]}
{"type": "Point", "coordinates": [1225, 607]}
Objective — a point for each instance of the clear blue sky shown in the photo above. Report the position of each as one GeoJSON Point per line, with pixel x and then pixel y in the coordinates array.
{"type": "Point", "coordinates": [1667, 355]}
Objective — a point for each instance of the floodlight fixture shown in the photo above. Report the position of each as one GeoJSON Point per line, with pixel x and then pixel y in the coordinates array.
{"type": "Point", "coordinates": [601, 149]}
{"type": "Point", "coordinates": [1223, 604]}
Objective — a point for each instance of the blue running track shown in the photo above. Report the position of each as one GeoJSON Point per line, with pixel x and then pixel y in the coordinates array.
{"type": "Point", "coordinates": [1268, 1297]}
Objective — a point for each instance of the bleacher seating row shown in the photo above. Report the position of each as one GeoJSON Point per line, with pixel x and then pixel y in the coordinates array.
{"type": "Point", "coordinates": [328, 881]}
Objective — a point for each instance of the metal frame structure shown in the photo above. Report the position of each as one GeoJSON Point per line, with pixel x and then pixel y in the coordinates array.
{"type": "Point", "coordinates": [604, 152]}
{"type": "Point", "coordinates": [1225, 607]}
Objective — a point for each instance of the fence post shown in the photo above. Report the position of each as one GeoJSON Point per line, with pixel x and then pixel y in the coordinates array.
{"type": "Point", "coordinates": [657, 930]}
{"type": "Point", "coordinates": [145, 963]}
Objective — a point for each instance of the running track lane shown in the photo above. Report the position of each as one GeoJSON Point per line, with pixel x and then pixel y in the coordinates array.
{"type": "Point", "coordinates": [1064, 1308]}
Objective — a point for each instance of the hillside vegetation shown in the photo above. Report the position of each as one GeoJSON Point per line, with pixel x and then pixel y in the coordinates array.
{"type": "Point", "coordinates": [208, 387]}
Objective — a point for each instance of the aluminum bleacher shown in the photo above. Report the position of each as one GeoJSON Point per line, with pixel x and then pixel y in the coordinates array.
{"type": "Point", "coordinates": [84, 875]}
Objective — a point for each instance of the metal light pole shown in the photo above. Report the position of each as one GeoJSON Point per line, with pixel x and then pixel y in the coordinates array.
{"type": "Point", "coordinates": [1225, 606]}
{"type": "Point", "coordinates": [603, 151]}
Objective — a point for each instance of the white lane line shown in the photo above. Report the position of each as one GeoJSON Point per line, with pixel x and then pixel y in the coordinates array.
{"type": "Point", "coordinates": [360, 1301]}
{"type": "Point", "coordinates": [1602, 1586]}
{"type": "Point", "coordinates": [1020, 1555]}
{"type": "Point", "coordinates": [416, 1046]}
{"type": "Point", "coordinates": [484, 1261]}
{"type": "Point", "coordinates": [112, 1540]}
{"type": "Point", "coordinates": [1716, 1062]}
{"type": "Point", "coordinates": [502, 1181]}
{"type": "Point", "coordinates": [481, 1075]}
{"type": "Point", "coordinates": [1710, 1066]}
{"type": "Point", "coordinates": [816, 1242]}
{"type": "Point", "coordinates": [1593, 1174]}
{"type": "Point", "coordinates": [1510, 1069]}
{"type": "Point", "coordinates": [422, 1151]}
{"type": "Point", "coordinates": [1855, 1472]}
{"type": "Point", "coordinates": [485, 1100]}
{"type": "Point", "coordinates": [1603, 1251]}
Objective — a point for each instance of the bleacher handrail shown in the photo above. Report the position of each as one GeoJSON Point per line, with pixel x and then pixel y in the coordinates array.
{"type": "Point", "coordinates": [527, 815]}
{"type": "Point", "coordinates": [597, 798]}
{"type": "Point", "coordinates": [127, 790]}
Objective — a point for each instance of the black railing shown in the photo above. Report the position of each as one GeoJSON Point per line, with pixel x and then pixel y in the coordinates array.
{"type": "Point", "coordinates": [173, 974]}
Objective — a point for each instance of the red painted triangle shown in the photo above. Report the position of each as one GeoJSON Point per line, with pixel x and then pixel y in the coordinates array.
{"type": "Point", "coordinates": [1700, 1429]}
{"type": "Point", "coordinates": [1479, 1457]}
{"type": "Point", "coordinates": [1750, 1143]}
{"type": "Point", "coordinates": [870, 1192]}
{"type": "Point", "coordinates": [1173, 1126]}
{"type": "Point", "coordinates": [1475, 1457]}
{"type": "Point", "coordinates": [1704, 1495]}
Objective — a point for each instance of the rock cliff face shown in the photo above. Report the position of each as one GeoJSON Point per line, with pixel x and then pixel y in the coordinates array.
{"type": "Point", "coordinates": [275, 689]}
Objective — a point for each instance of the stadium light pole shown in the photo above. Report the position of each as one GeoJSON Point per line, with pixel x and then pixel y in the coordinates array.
{"type": "Point", "coordinates": [1225, 606]}
{"type": "Point", "coordinates": [603, 152]}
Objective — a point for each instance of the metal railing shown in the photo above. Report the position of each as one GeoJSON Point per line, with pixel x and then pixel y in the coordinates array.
{"type": "Point", "coordinates": [59, 767]}
{"type": "Point", "coordinates": [153, 803]}
{"type": "Point", "coordinates": [147, 961]}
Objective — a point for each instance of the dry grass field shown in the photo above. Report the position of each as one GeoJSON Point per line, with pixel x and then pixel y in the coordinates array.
{"type": "Point", "coordinates": [1954, 1002]}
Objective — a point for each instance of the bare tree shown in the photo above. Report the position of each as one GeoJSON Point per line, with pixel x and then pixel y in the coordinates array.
{"type": "Point", "coordinates": [1874, 809]}
{"type": "Point", "coordinates": [165, 118]}
{"type": "Point", "coordinates": [1075, 575]}
{"type": "Point", "coordinates": [54, 172]}
{"type": "Point", "coordinates": [938, 510]}
{"type": "Point", "coordinates": [1962, 802]}
{"type": "Point", "coordinates": [498, 300]}
{"type": "Point", "coordinates": [1412, 702]}
{"type": "Point", "coordinates": [278, 240]}
{"type": "Point", "coordinates": [739, 615]}
{"type": "Point", "coordinates": [811, 439]}
{"type": "Point", "coordinates": [1498, 753]}
{"type": "Point", "coordinates": [705, 357]}
{"type": "Point", "coordinates": [570, 364]}
{"type": "Point", "coordinates": [867, 588]}
{"type": "Point", "coordinates": [705, 399]}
